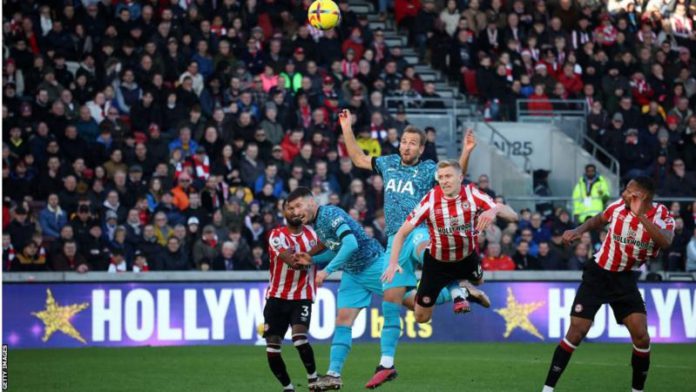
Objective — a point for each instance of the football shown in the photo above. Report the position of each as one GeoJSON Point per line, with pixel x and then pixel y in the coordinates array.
{"type": "Point", "coordinates": [324, 14]}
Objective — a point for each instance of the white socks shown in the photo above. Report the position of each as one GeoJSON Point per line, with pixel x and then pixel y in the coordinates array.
{"type": "Point", "coordinates": [289, 387]}
{"type": "Point", "coordinates": [547, 389]}
{"type": "Point", "coordinates": [333, 374]}
{"type": "Point", "coordinates": [386, 361]}
{"type": "Point", "coordinates": [459, 292]}
{"type": "Point", "coordinates": [636, 390]}
{"type": "Point", "coordinates": [312, 376]}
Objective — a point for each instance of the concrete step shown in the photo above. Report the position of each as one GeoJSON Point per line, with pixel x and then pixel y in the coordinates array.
{"type": "Point", "coordinates": [428, 77]}
{"type": "Point", "coordinates": [413, 60]}
{"type": "Point", "coordinates": [363, 8]}
{"type": "Point", "coordinates": [395, 41]}
{"type": "Point", "coordinates": [377, 25]}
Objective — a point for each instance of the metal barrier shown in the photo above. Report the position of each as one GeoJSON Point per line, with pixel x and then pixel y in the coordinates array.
{"type": "Point", "coordinates": [567, 201]}
{"type": "Point", "coordinates": [262, 276]}
{"type": "Point", "coordinates": [559, 107]}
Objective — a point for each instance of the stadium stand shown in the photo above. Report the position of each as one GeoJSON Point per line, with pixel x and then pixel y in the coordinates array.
{"type": "Point", "coordinates": [164, 134]}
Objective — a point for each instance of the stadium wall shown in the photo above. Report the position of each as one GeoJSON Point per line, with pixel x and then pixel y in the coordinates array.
{"type": "Point", "coordinates": [135, 311]}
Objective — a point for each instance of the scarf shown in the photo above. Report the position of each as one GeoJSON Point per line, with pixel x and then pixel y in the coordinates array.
{"type": "Point", "coordinates": [349, 68]}
{"type": "Point", "coordinates": [10, 252]}
{"type": "Point", "coordinates": [202, 167]}
{"type": "Point", "coordinates": [213, 241]}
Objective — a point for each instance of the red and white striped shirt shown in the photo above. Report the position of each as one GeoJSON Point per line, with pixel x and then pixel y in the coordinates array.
{"type": "Point", "coordinates": [285, 282]}
{"type": "Point", "coordinates": [628, 243]}
{"type": "Point", "coordinates": [451, 222]}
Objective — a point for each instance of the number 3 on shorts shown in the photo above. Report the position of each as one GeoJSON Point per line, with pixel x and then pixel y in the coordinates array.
{"type": "Point", "coordinates": [305, 311]}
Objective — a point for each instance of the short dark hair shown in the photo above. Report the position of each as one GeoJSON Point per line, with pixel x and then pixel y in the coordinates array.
{"type": "Point", "coordinates": [646, 183]}
{"type": "Point", "coordinates": [298, 193]}
{"type": "Point", "coordinates": [590, 165]}
{"type": "Point", "coordinates": [417, 131]}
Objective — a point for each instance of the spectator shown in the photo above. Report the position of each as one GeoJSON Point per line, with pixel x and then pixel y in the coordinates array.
{"type": "Point", "coordinates": [207, 247]}
{"type": "Point", "coordinates": [173, 259]}
{"type": "Point", "coordinates": [580, 257]}
{"type": "Point", "coordinates": [634, 156]}
{"type": "Point", "coordinates": [484, 185]}
{"type": "Point", "coordinates": [495, 261]}
{"type": "Point", "coordinates": [548, 259]}
{"type": "Point", "coordinates": [140, 264]}
{"type": "Point", "coordinates": [674, 256]}
{"type": "Point", "coordinates": [69, 259]}
{"type": "Point", "coordinates": [117, 262]}
{"type": "Point", "coordinates": [679, 182]}
{"type": "Point", "coordinates": [590, 194]}
{"type": "Point", "coordinates": [52, 218]}
{"type": "Point", "coordinates": [691, 254]}
{"type": "Point", "coordinates": [29, 259]}
{"type": "Point", "coordinates": [95, 248]}
{"type": "Point", "coordinates": [21, 229]}
{"type": "Point", "coordinates": [540, 233]}
{"type": "Point", "coordinates": [523, 258]}
{"type": "Point", "coordinates": [226, 261]}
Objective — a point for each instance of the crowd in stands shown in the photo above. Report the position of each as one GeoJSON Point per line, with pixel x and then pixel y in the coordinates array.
{"type": "Point", "coordinates": [155, 135]}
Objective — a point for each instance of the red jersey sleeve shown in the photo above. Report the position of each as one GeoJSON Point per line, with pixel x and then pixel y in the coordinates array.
{"type": "Point", "coordinates": [483, 201]}
{"type": "Point", "coordinates": [418, 215]}
{"type": "Point", "coordinates": [608, 213]}
{"type": "Point", "coordinates": [277, 243]}
{"type": "Point", "coordinates": [664, 219]}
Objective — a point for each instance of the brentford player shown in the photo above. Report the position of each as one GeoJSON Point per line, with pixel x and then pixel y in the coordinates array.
{"type": "Point", "coordinates": [450, 211]}
{"type": "Point", "coordinates": [638, 229]}
{"type": "Point", "coordinates": [289, 298]}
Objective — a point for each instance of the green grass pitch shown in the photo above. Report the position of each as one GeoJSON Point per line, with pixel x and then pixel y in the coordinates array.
{"type": "Point", "coordinates": [422, 367]}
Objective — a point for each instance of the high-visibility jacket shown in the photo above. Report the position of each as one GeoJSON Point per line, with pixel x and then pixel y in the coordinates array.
{"type": "Point", "coordinates": [589, 199]}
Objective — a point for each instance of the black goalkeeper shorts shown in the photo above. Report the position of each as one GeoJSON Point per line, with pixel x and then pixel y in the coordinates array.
{"type": "Point", "coordinates": [599, 287]}
{"type": "Point", "coordinates": [438, 274]}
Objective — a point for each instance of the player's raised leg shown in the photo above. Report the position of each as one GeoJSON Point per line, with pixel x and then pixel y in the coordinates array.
{"type": "Point", "coordinates": [578, 330]}
{"type": "Point", "coordinates": [637, 325]}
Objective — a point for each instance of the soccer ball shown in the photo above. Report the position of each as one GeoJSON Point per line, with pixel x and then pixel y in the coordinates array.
{"type": "Point", "coordinates": [324, 14]}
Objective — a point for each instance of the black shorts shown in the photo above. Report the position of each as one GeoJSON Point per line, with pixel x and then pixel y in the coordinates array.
{"type": "Point", "coordinates": [599, 287]}
{"type": "Point", "coordinates": [279, 313]}
{"type": "Point", "coordinates": [438, 274]}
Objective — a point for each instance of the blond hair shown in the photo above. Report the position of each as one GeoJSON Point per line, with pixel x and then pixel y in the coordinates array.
{"type": "Point", "coordinates": [449, 163]}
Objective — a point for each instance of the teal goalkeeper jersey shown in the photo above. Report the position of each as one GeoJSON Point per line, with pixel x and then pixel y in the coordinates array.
{"type": "Point", "coordinates": [404, 187]}
{"type": "Point", "coordinates": [327, 223]}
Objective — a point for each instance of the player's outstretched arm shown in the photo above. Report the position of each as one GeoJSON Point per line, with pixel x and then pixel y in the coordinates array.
{"type": "Point", "coordinates": [349, 245]}
{"type": "Point", "coordinates": [468, 145]}
{"type": "Point", "coordinates": [357, 155]}
{"type": "Point", "coordinates": [504, 211]}
{"type": "Point", "coordinates": [288, 257]}
{"type": "Point", "coordinates": [398, 243]}
{"type": "Point", "coordinates": [595, 223]}
{"type": "Point", "coordinates": [500, 211]}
